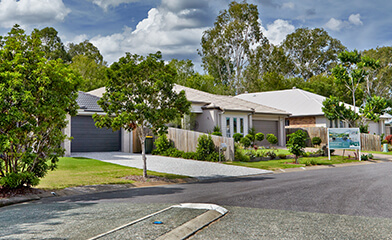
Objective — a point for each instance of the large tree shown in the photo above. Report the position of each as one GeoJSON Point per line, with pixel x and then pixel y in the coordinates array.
{"type": "Point", "coordinates": [227, 47]}
{"type": "Point", "coordinates": [87, 49]}
{"type": "Point", "coordinates": [35, 96]}
{"type": "Point", "coordinates": [51, 45]}
{"type": "Point", "coordinates": [312, 51]}
{"type": "Point", "coordinates": [139, 94]}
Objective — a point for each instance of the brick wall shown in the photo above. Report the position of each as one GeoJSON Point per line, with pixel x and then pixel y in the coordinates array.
{"type": "Point", "coordinates": [302, 121]}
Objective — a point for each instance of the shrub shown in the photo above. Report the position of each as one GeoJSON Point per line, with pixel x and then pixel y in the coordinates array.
{"type": "Point", "coordinates": [305, 154]}
{"type": "Point", "coordinates": [271, 154]}
{"type": "Point", "coordinates": [282, 156]}
{"type": "Point", "coordinates": [205, 147]}
{"type": "Point", "coordinates": [162, 144]}
{"type": "Point", "coordinates": [364, 128]}
{"type": "Point", "coordinates": [237, 137]}
{"type": "Point", "coordinates": [272, 139]}
{"type": "Point", "coordinates": [389, 139]}
{"type": "Point", "coordinates": [214, 157]}
{"type": "Point", "coordinates": [364, 157]}
{"type": "Point", "coordinates": [250, 137]}
{"type": "Point", "coordinates": [297, 143]}
{"type": "Point", "coordinates": [240, 155]}
{"type": "Point", "coordinates": [217, 134]}
{"type": "Point", "coordinates": [384, 141]}
{"type": "Point", "coordinates": [189, 155]}
{"type": "Point", "coordinates": [246, 142]}
{"type": "Point", "coordinates": [370, 156]}
{"type": "Point", "coordinates": [260, 153]}
{"type": "Point", "coordinates": [316, 141]}
{"type": "Point", "coordinates": [259, 137]}
{"type": "Point", "coordinates": [14, 180]}
{"type": "Point", "coordinates": [217, 129]}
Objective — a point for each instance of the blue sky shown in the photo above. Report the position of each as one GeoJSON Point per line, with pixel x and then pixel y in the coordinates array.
{"type": "Point", "coordinates": [175, 27]}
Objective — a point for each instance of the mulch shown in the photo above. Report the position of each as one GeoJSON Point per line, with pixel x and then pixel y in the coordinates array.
{"type": "Point", "coordinates": [17, 192]}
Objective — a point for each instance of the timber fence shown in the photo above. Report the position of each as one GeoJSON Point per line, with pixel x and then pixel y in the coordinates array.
{"type": "Point", "coordinates": [186, 141]}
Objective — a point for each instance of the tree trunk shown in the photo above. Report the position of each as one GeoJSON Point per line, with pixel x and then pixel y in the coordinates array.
{"type": "Point", "coordinates": [144, 158]}
{"type": "Point", "coordinates": [296, 159]}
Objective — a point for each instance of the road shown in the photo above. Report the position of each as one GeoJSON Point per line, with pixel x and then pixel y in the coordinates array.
{"type": "Point", "coordinates": [335, 203]}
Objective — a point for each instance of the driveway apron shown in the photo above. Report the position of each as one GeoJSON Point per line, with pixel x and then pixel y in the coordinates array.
{"type": "Point", "coordinates": [192, 168]}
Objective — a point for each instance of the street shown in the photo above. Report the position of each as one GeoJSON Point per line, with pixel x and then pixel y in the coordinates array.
{"type": "Point", "coordinates": [335, 203]}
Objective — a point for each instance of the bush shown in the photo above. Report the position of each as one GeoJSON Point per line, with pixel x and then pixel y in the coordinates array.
{"type": "Point", "coordinates": [259, 137]}
{"type": "Point", "coordinates": [297, 143]}
{"type": "Point", "coordinates": [250, 137]}
{"type": "Point", "coordinates": [205, 147]}
{"type": "Point", "coordinates": [364, 157]}
{"type": "Point", "coordinates": [214, 157]}
{"type": "Point", "coordinates": [282, 156]}
{"type": "Point", "coordinates": [389, 139]}
{"type": "Point", "coordinates": [246, 142]}
{"type": "Point", "coordinates": [272, 139]}
{"type": "Point", "coordinates": [237, 137]}
{"type": "Point", "coordinates": [162, 144]}
{"type": "Point", "coordinates": [217, 134]}
{"type": "Point", "coordinates": [370, 156]}
{"type": "Point", "coordinates": [364, 128]}
{"type": "Point", "coordinates": [240, 155]}
{"type": "Point", "coordinates": [189, 155]}
{"type": "Point", "coordinates": [384, 141]}
{"type": "Point", "coordinates": [316, 141]}
{"type": "Point", "coordinates": [15, 180]}
{"type": "Point", "coordinates": [271, 154]}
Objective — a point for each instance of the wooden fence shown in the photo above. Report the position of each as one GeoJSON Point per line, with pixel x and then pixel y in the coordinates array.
{"type": "Point", "coordinates": [186, 141]}
{"type": "Point", "coordinates": [369, 142]}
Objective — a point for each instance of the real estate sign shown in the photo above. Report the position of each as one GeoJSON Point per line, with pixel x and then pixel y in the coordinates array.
{"type": "Point", "coordinates": [344, 138]}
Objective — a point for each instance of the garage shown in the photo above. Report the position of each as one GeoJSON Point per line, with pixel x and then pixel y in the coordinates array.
{"type": "Point", "coordinates": [266, 127]}
{"type": "Point", "coordinates": [88, 138]}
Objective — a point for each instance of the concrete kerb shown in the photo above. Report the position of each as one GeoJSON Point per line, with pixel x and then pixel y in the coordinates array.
{"type": "Point", "coordinates": [187, 229]}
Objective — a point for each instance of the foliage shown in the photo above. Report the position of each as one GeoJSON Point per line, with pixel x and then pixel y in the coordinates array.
{"type": "Point", "coordinates": [282, 156]}
{"type": "Point", "coordinates": [297, 143]}
{"type": "Point", "coordinates": [384, 141]}
{"type": "Point", "coordinates": [205, 147]}
{"type": "Point", "coordinates": [364, 157]}
{"type": "Point", "coordinates": [389, 139]}
{"type": "Point", "coordinates": [162, 144]}
{"type": "Point", "coordinates": [364, 128]}
{"type": "Point", "coordinates": [316, 141]}
{"type": "Point", "coordinates": [240, 154]}
{"type": "Point", "coordinates": [251, 137]}
{"type": "Point", "coordinates": [227, 48]}
{"type": "Point", "coordinates": [139, 93]}
{"type": "Point", "coordinates": [374, 107]}
{"type": "Point", "coordinates": [246, 142]}
{"type": "Point", "coordinates": [237, 137]}
{"type": "Point", "coordinates": [271, 154]}
{"type": "Point", "coordinates": [94, 74]}
{"type": "Point", "coordinates": [334, 109]}
{"type": "Point", "coordinates": [36, 94]}
{"type": "Point", "coordinates": [86, 49]}
{"type": "Point", "coordinates": [272, 139]}
{"type": "Point", "coordinates": [51, 44]}
{"type": "Point", "coordinates": [312, 51]}
{"type": "Point", "coordinates": [217, 131]}
{"type": "Point", "coordinates": [259, 137]}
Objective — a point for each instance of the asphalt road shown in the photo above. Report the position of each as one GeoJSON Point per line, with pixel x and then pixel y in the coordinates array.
{"type": "Point", "coordinates": [334, 203]}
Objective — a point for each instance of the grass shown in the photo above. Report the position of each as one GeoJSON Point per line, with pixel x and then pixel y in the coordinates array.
{"type": "Point", "coordinates": [277, 151]}
{"type": "Point", "coordinates": [73, 172]}
{"type": "Point", "coordinates": [282, 163]}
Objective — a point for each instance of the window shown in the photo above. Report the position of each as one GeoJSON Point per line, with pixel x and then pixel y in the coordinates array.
{"type": "Point", "coordinates": [242, 126]}
{"type": "Point", "coordinates": [330, 123]}
{"type": "Point", "coordinates": [228, 127]}
{"type": "Point", "coordinates": [235, 125]}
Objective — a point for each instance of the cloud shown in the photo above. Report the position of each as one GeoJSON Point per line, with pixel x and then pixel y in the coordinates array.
{"type": "Point", "coordinates": [106, 4]}
{"type": "Point", "coordinates": [174, 28]}
{"type": "Point", "coordinates": [277, 31]}
{"type": "Point", "coordinates": [288, 5]}
{"type": "Point", "coordinates": [336, 24]}
{"type": "Point", "coordinates": [31, 12]}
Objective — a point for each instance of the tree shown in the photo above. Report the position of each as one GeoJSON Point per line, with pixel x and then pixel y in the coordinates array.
{"type": "Point", "coordinates": [297, 143]}
{"type": "Point", "coordinates": [51, 44]}
{"type": "Point", "coordinates": [227, 47]}
{"type": "Point", "coordinates": [139, 93]}
{"type": "Point", "coordinates": [35, 97]}
{"type": "Point", "coordinates": [87, 49]}
{"type": "Point", "coordinates": [94, 74]}
{"type": "Point", "coordinates": [312, 51]}
{"type": "Point", "coordinates": [335, 110]}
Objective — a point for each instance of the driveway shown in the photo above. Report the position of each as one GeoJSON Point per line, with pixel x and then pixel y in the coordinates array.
{"type": "Point", "coordinates": [197, 169]}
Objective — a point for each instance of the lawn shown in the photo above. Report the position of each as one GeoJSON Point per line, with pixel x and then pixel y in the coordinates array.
{"type": "Point", "coordinates": [277, 151]}
{"type": "Point", "coordinates": [73, 172]}
{"type": "Point", "coordinates": [282, 163]}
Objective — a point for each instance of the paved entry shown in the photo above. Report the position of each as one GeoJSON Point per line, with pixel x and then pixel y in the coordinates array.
{"type": "Point", "coordinates": [191, 168]}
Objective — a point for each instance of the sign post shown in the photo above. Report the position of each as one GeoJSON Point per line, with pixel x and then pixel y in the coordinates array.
{"type": "Point", "coordinates": [344, 138]}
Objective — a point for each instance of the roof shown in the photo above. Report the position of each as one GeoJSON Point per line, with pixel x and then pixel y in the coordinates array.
{"type": "Point", "coordinates": [98, 92]}
{"type": "Point", "coordinates": [226, 103]}
{"type": "Point", "coordinates": [296, 101]}
{"type": "Point", "coordinates": [88, 102]}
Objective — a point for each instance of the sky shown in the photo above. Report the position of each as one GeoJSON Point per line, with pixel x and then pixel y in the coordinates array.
{"type": "Point", "coordinates": [175, 27]}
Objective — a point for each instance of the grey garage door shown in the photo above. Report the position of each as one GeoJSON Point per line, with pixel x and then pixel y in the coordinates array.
{"type": "Point", "coordinates": [88, 138]}
{"type": "Point", "coordinates": [266, 127]}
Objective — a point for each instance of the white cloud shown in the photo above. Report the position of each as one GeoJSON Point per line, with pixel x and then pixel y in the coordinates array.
{"type": "Point", "coordinates": [355, 19]}
{"type": "Point", "coordinates": [337, 25]}
{"type": "Point", "coordinates": [29, 12]}
{"type": "Point", "coordinates": [106, 4]}
{"type": "Point", "coordinates": [278, 30]}
{"type": "Point", "coordinates": [174, 32]}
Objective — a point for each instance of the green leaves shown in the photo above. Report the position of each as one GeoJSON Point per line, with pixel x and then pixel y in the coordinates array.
{"type": "Point", "coordinates": [297, 143]}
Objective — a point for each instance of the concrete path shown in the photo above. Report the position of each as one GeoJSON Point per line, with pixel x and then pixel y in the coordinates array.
{"type": "Point", "coordinates": [197, 169]}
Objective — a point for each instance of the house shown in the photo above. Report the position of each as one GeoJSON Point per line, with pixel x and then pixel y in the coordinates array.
{"type": "Point", "coordinates": [86, 136]}
{"type": "Point", "coordinates": [305, 108]}
{"type": "Point", "coordinates": [233, 115]}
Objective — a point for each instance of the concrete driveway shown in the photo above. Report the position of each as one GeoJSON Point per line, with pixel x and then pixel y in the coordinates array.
{"type": "Point", "coordinates": [197, 169]}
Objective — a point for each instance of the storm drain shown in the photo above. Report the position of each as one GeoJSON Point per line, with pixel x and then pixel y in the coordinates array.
{"type": "Point", "coordinates": [175, 222]}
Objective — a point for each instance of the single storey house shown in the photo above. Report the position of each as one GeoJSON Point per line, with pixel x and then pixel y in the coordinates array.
{"type": "Point", "coordinates": [305, 108]}
{"type": "Point", "coordinates": [86, 136]}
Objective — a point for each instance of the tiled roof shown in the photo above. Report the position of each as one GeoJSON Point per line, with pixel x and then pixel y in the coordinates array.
{"type": "Point", "coordinates": [88, 102]}
{"type": "Point", "coordinates": [226, 103]}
